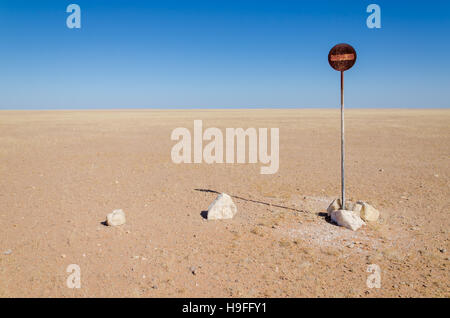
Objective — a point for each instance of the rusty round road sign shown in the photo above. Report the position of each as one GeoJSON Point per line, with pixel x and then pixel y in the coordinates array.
{"type": "Point", "coordinates": [342, 57]}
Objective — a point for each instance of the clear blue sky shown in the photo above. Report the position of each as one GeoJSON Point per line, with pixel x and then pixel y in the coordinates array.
{"type": "Point", "coordinates": [221, 53]}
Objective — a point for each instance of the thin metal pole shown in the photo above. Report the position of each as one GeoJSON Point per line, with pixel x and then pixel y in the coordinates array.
{"type": "Point", "coordinates": [342, 143]}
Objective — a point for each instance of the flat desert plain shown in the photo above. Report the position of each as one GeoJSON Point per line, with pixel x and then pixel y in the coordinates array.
{"type": "Point", "coordinates": [63, 171]}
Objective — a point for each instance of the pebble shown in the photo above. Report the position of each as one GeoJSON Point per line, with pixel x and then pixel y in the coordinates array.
{"type": "Point", "coordinates": [115, 218]}
{"type": "Point", "coordinates": [7, 252]}
{"type": "Point", "coordinates": [193, 270]}
{"type": "Point", "coordinates": [347, 219]}
{"type": "Point", "coordinates": [368, 212]}
{"type": "Point", "coordinates": [222, 208]}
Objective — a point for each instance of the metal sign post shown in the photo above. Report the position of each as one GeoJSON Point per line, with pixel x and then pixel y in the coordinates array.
{"type": "Point", "coordinates": [342, 144]}
{"type": "Point", "coordinates": [342, 57]}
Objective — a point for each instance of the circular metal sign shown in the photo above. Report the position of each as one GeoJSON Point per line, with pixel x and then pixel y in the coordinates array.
{"type": "Point", "coordinates": [342, 57]}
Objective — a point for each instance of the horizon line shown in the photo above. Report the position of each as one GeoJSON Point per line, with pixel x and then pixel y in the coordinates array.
{"type": "Point", "coordinates": [227, 108]}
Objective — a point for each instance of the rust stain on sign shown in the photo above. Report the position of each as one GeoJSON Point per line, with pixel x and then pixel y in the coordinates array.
{"type": "Point", "coordinates": [342, 57]}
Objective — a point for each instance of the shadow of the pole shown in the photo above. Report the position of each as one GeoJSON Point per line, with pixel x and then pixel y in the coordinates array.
{"type": "Point", "coordinates": [253, 201]}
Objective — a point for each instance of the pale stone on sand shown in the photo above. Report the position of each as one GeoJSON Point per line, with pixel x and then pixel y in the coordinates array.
{"type": "Point", "coordinates": [334, 206]}
{"type": "Point", "coordinates": [347, 219]}
{"type": "Point", "coordinates": [361, 209]}
{"type": "Point", "coordinates": [222, 208]}
{"type": "Point", "coordinates": [369, 213]}
{"type": "Point", "coordinates": [117, 217]}
{"type": "Point", "coordinates": [357, 208]}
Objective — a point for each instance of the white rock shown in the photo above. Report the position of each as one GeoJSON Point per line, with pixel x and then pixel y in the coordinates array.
{"type": "Point", "coordinates": [334, 206]}
{"type": "Point", "coordinates": [347, 219]}
{"type": "Point", "coordinates": [369, 213]}
{"type": "Point", "coordinates": [357, 208]}
{"type": "Point", "coordinates": [221, 208]}
{"type": "Point", "coordinates": [117, 217]}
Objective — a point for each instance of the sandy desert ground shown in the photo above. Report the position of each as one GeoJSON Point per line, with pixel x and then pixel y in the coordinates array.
{"type": "Point", "coordinates": [63, 171]}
